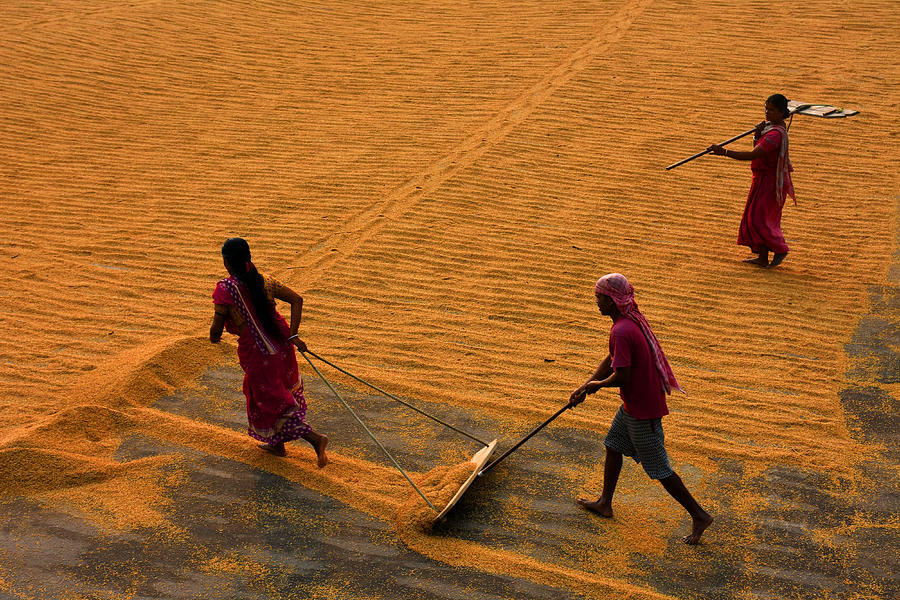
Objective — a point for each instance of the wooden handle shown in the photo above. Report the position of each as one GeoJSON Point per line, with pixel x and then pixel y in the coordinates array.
{"type": "Point", "coordinates": [699, 154]}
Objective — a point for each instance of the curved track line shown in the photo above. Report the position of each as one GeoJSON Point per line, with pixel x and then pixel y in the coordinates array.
{"type": "Point", "coordinates": [334, 247]}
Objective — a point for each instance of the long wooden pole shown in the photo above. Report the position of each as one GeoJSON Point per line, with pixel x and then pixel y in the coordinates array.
{"type": "Point", "coordinates": [524, 439]}
{"type": "Point", "coordinates": [699, 154]}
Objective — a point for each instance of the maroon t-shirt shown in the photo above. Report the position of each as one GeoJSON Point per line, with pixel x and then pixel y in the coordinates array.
{"type": "Point", "coordinates": [643, 396]}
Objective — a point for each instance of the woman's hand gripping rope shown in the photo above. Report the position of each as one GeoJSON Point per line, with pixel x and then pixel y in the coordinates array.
{"type": "Point", "coordinates": [300, 344]}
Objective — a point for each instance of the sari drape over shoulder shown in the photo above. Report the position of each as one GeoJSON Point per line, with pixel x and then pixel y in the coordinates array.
{"type": "Point", "coordinates": [276, 407]}
{"type": "Point", "coordinates": [761, 222]}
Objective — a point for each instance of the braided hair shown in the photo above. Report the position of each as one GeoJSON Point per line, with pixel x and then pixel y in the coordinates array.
{"type": "Point", "coordinates": [236, 253]}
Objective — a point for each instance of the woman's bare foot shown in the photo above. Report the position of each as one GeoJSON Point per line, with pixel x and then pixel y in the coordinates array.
{"type": "Point", "coordinates": [757, 261]}
{"type": "Point", "coordinates": [319, 445]}
{"type": "Point", "coordinates": [318, 442]}
{"type": "Point", "coordinates": [276, 449]}
{"type": "Point", "coordinates": [777, 259]}
{"type": "Point", "coordinates": [700, 525]}
{"type": "Point", "coordinates": [600, 506]}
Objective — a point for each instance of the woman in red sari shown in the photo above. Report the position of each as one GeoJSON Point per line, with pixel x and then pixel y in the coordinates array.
{"type": "Point", "coordinates": [771, 166]}
{"type": "Point", "coordinates": [245, 306]}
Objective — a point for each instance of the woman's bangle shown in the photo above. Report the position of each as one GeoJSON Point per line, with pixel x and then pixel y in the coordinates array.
{"type": "Point", "coordinates": [296, 335]}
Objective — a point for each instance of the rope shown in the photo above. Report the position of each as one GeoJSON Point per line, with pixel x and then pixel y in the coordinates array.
{"type": "Point", "coordinates": [358, 420]}
{"type": "Point", "coordinates": [393, 397]}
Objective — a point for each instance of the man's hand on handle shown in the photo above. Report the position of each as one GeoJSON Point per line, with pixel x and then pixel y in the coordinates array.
{"type": "Point", "coordinates": [578, 396]}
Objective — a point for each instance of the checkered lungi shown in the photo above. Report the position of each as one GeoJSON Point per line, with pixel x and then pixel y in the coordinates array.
{"type": "Point", "coordinates": [641, 439]}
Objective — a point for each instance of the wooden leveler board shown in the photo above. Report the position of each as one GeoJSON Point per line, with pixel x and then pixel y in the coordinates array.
{"type": "Point", "coordinates": [480, 458]}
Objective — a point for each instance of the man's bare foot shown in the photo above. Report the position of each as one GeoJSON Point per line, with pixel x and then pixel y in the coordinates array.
{"type": "Point", "coordinates": [276, 449]}
{"type": "Point", "coordinates": [776, 260]}
{"type": "Point", "coordinates": [757, 261]}
{"type": "Point", "coordinates": [699, 527]}
{"type": "Point", "coordinates": [600, 506]}
{"type": "Point", "coordinates": [320, 450]}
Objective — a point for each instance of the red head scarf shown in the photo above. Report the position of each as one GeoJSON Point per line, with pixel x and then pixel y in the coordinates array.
{"type": "Point", "coordinates": [617, 287]}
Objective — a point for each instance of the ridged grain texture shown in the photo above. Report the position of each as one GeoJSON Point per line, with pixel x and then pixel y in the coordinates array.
{"type": "Point", "coordinates": [443, 182]}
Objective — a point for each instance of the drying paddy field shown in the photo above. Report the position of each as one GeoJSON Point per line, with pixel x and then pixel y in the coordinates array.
{"type": "Point", "coordinates": [443, 182]}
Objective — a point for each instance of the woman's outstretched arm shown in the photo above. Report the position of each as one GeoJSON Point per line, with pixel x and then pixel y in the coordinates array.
{"type": "Point", "coordinates": [738, 154]}
{"type": "Point", "coordinates": [757, 151]}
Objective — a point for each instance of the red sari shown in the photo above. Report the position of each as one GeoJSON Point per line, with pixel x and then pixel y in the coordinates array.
{"type": "Point", "coordinates": [761, 224]}
{"type": "Point", "coordinates": [276, 408]}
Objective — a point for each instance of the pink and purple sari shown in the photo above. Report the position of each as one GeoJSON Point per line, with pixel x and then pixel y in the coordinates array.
{"type": "Point", "coordinates": [761, 223]}
{"type": "Point", "coordinates": [276, 408]}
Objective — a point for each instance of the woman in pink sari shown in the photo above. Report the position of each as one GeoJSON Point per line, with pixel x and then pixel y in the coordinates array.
{"type": "Point", "coordinates": [771, 165]}
{"type": "Point", "coordinates": [245, 306]}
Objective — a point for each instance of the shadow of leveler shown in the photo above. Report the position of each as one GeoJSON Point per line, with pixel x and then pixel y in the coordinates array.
{"type": "Point", "coordinates": [480, 458]}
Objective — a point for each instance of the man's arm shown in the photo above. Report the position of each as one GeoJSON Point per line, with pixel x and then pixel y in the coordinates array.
{"type": "Point", "coordinates": [617, 378]}
{"type": "Point", "coordinates": [603, 371]}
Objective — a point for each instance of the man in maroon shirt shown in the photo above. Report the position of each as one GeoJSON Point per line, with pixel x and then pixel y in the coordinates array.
{"type": "Point", "coordinates": [637, 366]}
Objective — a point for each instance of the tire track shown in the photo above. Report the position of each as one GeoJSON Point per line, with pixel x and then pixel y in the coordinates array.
{"type": "Point", "coordinates": [336, 246]}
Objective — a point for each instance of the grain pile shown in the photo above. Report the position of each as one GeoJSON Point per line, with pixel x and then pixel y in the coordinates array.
{"type": "Point", "coordinates": [438, 485]}
{"type": "Point", "coordinates": [443, 186]}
